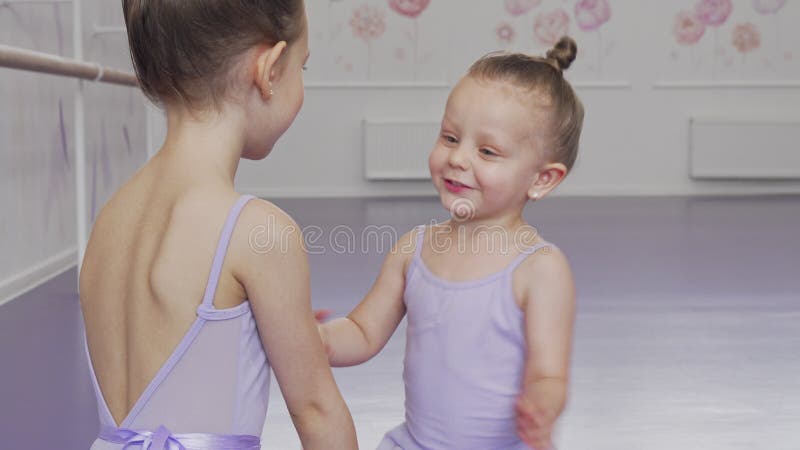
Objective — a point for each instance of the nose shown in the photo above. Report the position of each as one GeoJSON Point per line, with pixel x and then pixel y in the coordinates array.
{"type": "Point", "coordinates": [458, 158]}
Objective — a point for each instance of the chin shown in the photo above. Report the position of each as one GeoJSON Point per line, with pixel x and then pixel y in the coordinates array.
{"type": "Point", "coordinates": [256, 154]}
{"type": "Point", "coordinates": [448, 199]}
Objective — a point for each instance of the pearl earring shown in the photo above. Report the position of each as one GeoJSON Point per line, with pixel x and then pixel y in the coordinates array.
{"type": "Point", "coordinates": [535, 195]}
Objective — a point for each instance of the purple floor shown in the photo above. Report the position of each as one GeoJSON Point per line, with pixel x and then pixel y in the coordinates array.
{"type": "Point", "coordinates": [659, 279]}
{"type": "Point", "coordinates": [46, 396]}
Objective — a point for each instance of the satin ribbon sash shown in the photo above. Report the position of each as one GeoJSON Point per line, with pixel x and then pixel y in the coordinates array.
{"type": "Point", "coordinates": [163, 439]}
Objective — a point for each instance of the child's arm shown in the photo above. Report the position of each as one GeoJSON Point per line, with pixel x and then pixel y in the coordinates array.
{"type": "Point", "coordinates": [549, 307]}
{"type": "Point", "coordinates": [274, 271]}
{"type": "Point", "coordinates": [363, 333]}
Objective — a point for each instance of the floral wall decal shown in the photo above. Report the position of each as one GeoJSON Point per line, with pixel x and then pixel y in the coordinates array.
{"type": "Point", "coordinates": [746, 38]}
{"type": "Point", "coordinates": [521, 7]}
{"type": "Point", "coordinates": [688, 29]}
{"type": "Point", "coordinates": [768, 6]}
{"type": "Point", "coordinates": [411, 9]}
{"type": "Point", "coordinates": [368, 23]}
{"type": "Point", "coordinates": [590, 15]}
{"type": "Point", "coordinates": [383, 41]}
{"type": "Point", "coordinates": [771, 8]}
{"type": "Point", "coordinates": [747, 29]}
{"type": "Point", "coordinates": [505, 33]}
{"type": "Point", "coordinates": [548, 27]}
{"type": "Point", "coordinates": [713, 12]}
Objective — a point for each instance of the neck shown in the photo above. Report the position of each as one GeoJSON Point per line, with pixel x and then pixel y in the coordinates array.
{"type": "Point", "coordinates": [507, 228]}
{"type": "Point", "coordinates": [207, 146]}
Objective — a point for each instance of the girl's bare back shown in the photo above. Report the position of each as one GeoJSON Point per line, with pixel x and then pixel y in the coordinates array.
{"type": "Point", "coordinates": [144, 275]}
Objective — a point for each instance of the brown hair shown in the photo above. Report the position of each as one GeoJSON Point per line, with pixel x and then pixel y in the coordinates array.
{"type": "Point", "coordinates": [545, 76]}
{"type": "Point", "coordinates": [183, 50]}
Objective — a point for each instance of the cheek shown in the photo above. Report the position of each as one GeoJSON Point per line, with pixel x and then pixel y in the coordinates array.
{"type": "Point", "coordinates": [299, 96]}
{"type": "Point", "coordinates": [436, 159]}
{"type": "Point", "coordinates": [496, 179]}
{"type": "Point", "coordinates": [302, 96]}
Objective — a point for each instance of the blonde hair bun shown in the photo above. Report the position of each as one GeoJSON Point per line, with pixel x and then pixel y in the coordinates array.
{"type": "Point", "coordinates": [563, 53]}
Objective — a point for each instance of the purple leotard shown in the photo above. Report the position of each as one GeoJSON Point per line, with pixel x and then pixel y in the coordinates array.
{"type": "Point", "coordinates": [465, 354]}
{"type": "Point", "coordinates": [211, 393]}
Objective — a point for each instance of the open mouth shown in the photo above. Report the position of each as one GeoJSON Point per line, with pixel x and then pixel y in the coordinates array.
{"type": "Point", "coordinates": [455, 186]}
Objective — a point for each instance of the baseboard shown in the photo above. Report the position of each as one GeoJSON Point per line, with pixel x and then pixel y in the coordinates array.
{"type": "Point", "coordinates": [563, 191]}
{"type": "Point", "coordinates": [339, 192]}
{"type": "Point", "coordinates": [20, 283]}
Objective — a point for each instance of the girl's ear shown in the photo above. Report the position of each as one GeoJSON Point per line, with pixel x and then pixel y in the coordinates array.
{"type": "Point", "coordinates": [546, 180]}
{"type": "Point", "coordinates": [266, 60]}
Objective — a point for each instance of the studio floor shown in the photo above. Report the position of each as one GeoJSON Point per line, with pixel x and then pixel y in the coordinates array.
{"type": "Point", "coordinates": [687, 335]}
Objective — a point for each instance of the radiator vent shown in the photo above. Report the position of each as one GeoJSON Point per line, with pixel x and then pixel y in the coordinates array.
{"type": "Point", "coordinates": [744, 148]}
{"type": "Point", "coordinates": [398, 149]}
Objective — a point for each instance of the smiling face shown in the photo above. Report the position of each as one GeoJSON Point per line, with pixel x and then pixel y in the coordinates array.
{"type": "Point", "coordinates": [489, 149]}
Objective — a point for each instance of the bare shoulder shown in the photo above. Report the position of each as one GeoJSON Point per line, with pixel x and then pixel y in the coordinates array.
{"type": "Point", "coordinates": [263, 215]}
{"type": "Point", "coordinates": [403, 250]}
{"type": "Point", "coordinates": [265, 238]}
{"type": "Point", "coordinates": [546, 274]}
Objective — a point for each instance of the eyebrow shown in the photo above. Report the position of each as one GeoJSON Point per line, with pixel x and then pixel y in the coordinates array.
{"type": "Point", "coordinates": [447, 122]}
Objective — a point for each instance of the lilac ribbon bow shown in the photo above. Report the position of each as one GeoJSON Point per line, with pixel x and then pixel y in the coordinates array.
{"type": "Point", "coordinates": [163, 439]}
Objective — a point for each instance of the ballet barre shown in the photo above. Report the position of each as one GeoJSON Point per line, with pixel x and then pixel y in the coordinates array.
{"type": "Point", "coordinates": [33, 61]}
{"type": "Point", "coordinates": [17, 58]}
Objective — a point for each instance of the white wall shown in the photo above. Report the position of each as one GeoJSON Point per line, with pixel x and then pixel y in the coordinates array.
{"type": "Point", "coordinates": [37, 167]}
{"type": "Point", "coordinates": [635, 139]}
{"type": "Point", "coordinates": [639, 87]}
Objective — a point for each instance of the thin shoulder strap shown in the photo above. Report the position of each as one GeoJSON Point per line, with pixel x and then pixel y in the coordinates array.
{"type": "Point", "coordinates": [527, 252]}
{"type": "Point", "coordinates": [222, 250]}
{"type": "Point", "coordinates": [420, 241]}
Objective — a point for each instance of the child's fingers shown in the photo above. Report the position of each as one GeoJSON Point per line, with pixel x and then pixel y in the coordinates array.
{"type": "Point", "coordinates": [540, 441]}
{"type": "Point", "coordinates": [536, 439]}
{"type": "Point", "coordinates": [530, 413]}
{"type": "Point", "coordinates": [321, 314]}
{"type": "Point", "coordinates": [533, 427]}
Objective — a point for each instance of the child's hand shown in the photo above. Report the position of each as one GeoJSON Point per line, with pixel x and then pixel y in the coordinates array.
{"type": "Point", "coordinates": [320, 315]}
{"type": "Point", "coordinates": [538, 407]}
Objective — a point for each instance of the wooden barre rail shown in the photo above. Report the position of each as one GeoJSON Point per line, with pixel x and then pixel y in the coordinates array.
{"type": "Point", "coordinates": [17, 58]}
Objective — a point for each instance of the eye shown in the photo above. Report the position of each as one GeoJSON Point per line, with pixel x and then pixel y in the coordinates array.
{"type": "Point", "coordinates": [487, 152]}
{"type": "Point", "coordinates": [449, 139]}
{"type": "Point", "coordinates": [305, 67]}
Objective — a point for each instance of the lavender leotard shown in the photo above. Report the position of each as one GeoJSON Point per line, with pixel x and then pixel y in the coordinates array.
{"type": "Point", "coordinates": [211, 393]}
{"type": "Point", "coordinates": [465, 353]}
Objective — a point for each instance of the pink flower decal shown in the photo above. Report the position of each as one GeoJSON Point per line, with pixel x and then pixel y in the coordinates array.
{"type": "Point", "coordinates": [549, 27]}
{"type": "Point", "coordinates": [688, 29]}
{"type": "Point", "coordinates": [505, 33]}
{"type": "Point", "coordinates": [591, 14]}
{"type": "Point", "coordinates": [713, 12]}
{"type": "Point", "coordinates": [521, 7]}
{"type": "Point", "coordinates": [768, 6]}
{"type": "Point", "coordinates": [746, 37]}
{"type": "Point", "coordinates": [409, 8]}
{"type": "Point", "coordinates": [368, 23]}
